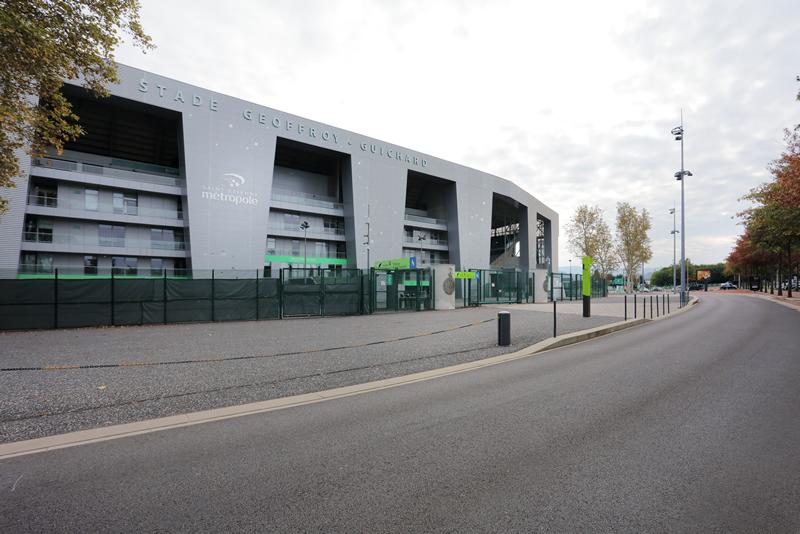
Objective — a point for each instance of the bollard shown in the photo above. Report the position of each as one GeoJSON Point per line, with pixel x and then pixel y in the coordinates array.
{"type": "Point", "coordinates": [668, 304]}
{"type": "Point", "coordinates": [658, 310]}
{"type": "Point", "coordinates": [635, 306]}
{"type": "Point", "coordinates": [504, 328]}
{"type": "Point", "coordinates": [626, 307]}
{"type": "Point", "coordinates": [554, 317]}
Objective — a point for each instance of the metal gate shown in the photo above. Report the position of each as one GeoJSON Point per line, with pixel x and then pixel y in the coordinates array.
{"type": "Point", "coordinates": [317, 292]}
{"type": "Point", "coordinates": [500, 286]}
{"type": "Point", "coordinates": [401, 290]}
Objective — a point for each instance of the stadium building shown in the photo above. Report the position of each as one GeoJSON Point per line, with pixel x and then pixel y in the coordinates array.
{"type": "Point", "coordinates": [173, 176]}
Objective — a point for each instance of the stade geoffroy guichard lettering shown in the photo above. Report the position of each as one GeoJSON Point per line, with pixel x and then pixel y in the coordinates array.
{"type": "Point", "coordinates": [169, 175]}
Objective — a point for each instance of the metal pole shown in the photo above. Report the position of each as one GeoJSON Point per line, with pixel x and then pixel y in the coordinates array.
{"type": "Point", "coordinates": [257, 306]}
{"type": "Point", "coordinates": [626, 307]}
{"type": "Point", "coordinates": [554, 317]}
{"type": "Point", "coordinates": [668, 304]}
{"type": "Point", "coordinates": [635, 306]}
{"type": "Point", "coordinates": [55, 300]}
{"type": "Point", "coordinates": [165, 295]}
{"type": "Point", "coordinates": [112, 297]}
{"type": "Point", "coordinates": [683, 219]}
{"type": "Point", "coordinates": [674, 258]}
{"type": "Point", "coordinates": [305, 250]}
{"type": "Point", "coordinates": [212, 295]}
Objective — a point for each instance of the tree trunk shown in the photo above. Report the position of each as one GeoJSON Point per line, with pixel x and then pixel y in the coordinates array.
{"type": "Point", "coordinates": [789, 261]}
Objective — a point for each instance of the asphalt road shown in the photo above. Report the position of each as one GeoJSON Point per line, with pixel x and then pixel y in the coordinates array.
{"type": "Point", "coordinates": [689, 424]}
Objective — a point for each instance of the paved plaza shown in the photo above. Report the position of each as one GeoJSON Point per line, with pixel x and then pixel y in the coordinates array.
{"type": "Point", "coordinates": [128, 374]}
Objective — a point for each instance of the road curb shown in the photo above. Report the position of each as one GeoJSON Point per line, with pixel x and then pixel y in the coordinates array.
{"type": "Point", "coordinates": [769, 299]}
{"type": "Point", "coordinates": [96, 435]}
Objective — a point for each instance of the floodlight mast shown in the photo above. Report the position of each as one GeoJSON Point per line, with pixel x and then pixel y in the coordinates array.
{"type": "Point", "coordinates": [679, 133]}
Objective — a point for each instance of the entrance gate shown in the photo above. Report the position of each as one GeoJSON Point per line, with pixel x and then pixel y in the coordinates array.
{"type": "Point", "coordinates": [500, 286]}
{"type": "Point", "coordinates": [401, 290]}
{"type": "Point", "coordinates": [316, 292]}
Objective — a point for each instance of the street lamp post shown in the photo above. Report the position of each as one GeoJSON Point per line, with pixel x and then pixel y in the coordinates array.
{"type": "Point", "coordinates": [305, 226]}
{"type": "Point", "coordinates": [678, 132]}
{"type": "Point", "coordinates": [420, 239]}
{"type": "Point", "coordinates": [674, 233]}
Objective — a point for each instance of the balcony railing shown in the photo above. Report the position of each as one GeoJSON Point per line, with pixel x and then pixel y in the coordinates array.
{"type": "Point", "coordinates": [426, 241]}
{"type": "Point", "coordinates": [429, 220]}
{"type": "Point", "coordinates": [101, 241]}
{"type": "Point", "coordinates": [311, 231]}
{"type": "Point", "coordinates": [122, 169]}
{"type": "Point", "coordinates": [53, 202]}
{"type": "Point", "coordinates": [306, 199]}
{"type": "Point", "coordinates": [312, 252]}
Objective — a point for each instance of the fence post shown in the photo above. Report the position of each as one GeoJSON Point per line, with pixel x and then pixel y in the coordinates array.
{"type": "Point", "coordinates": [55, 300]}
{"type": "Point", "coordinates": [419, 288]}
{"type": "Point", "coordinates": [321, 293]}
{"type": "Point", "coordinates": [112, 297]}
{"type": "Point", "coordinates": [431, 292]}
{"type": "Point", "coordinates": [280, 293]}
{"type": "Point", "coordinates": [164, 288]}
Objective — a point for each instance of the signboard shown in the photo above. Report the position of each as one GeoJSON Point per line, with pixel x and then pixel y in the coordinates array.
{"type": "Point", "coordinates": [398, 263]}
{"type": "Point", "coordinates": [618, 281]}
{"type": "Point", "coordinates": [703, 274]}
{"type": "Point", "coordinates": [465, 274]}
{"type": "Point", "coordinates": [587, 276]}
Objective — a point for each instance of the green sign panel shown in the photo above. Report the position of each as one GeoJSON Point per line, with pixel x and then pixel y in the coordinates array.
{"type": "Point", "coordinates": [308, 260]}
{"type": "Point", "coordinates": [464, 274]}
{"type": "Point", "coordinates": [587, 276]}
{"type": "Point", "coordinates": [399, 263]}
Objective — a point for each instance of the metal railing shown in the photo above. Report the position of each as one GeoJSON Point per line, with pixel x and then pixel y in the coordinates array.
{"type": "Point", "coordinates": [122, 169]}
{"type": "Point", "coordinates": [306, 199]}
{"type": "Point", "coordinates": [54, 202]}
{"type": "Point", "coordinates": [102, 241]}
{"type": "Point", "coordinates": [427, 241]}
{"type": "Point", "coordinates": [311, 253]}
{"type": "Point", "coordinates": [311, 231]}
{"type": "Point", "coordinates": [428, 220]}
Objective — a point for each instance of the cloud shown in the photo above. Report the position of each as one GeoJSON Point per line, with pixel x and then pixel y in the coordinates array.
{"type": "Point", "coordinates": [572, 101]}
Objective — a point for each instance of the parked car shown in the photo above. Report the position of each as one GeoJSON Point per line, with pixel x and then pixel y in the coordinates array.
{"type": "Point", "coordinates": [728, 285]}
{"type": "Point", "coordinates": [695, 286]}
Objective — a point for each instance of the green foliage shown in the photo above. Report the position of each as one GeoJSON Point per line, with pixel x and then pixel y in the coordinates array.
{"type": "Point", "coordinates": [633, 241]}
{"type": "Point", "coordinates": [42, 44]}
{"type": "Point", "coordinates": [589, 235]}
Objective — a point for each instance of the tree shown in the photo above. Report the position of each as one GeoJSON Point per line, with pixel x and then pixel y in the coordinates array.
{"type": "Point", "coordinates": [774, 222]}
{"type": "Point", "coordinates": [589, 235]}
{"type": "Point", "coordinates": [633, 243]}
{"type": "Point", "coordinates": [42, 44]}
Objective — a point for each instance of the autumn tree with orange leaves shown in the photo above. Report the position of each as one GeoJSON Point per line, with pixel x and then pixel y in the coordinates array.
{"type": "Point", "coordinates": [772, 225]}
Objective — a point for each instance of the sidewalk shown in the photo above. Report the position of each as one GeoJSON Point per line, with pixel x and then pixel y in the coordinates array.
{"type": "Point", "coordinates": [611, 306]}
{"type": "Point", "coordinates": [783, 299]}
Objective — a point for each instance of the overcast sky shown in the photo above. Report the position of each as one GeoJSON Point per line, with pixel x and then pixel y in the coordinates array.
{"type": "Point", "coordinates": [573, 101]}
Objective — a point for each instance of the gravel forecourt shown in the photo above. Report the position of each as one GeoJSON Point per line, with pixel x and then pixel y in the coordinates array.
{"type": "Point", "coordinates": [284, 358]}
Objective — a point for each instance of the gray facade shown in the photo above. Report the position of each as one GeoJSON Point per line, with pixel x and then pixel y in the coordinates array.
{"type": "Point", "coordinates": [245, 176]}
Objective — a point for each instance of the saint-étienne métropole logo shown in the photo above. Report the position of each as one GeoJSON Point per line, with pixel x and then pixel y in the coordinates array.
{"type": "Point", "coordinates": [231, 191]}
